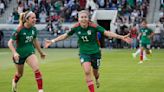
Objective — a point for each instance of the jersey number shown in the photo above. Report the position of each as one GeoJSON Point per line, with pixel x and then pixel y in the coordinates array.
{"type": "Point", "coordinates": [144, 33]}
{"type": "Point", "coordinates": [28, 39]}
{"type": "Point", "coordinates": [85, 39]}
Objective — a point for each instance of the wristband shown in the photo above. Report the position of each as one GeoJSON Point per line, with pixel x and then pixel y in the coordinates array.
{"type": "Point", "coordinates": [52, 41]}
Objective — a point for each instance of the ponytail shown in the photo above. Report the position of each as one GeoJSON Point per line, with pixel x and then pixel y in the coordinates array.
{"type": "Point", "coordinates": [21, 19]}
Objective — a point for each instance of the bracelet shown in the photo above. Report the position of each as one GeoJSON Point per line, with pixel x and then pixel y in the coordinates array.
{"type": "Point", "coordinates": [52, 41]}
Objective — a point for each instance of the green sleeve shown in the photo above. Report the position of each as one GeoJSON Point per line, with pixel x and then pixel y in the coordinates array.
{"type": "Point", "coordinates": [71, 32]}
{"type": "Point", "coordinates": [100, 29]}
{"type": "Point", "coordinates": [14, 35]}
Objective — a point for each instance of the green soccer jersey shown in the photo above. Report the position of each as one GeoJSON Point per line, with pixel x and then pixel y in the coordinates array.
{"type": "Point", "coordinates": [87, 37]}
{"type": "Point", "coordinates": [24, 39]}
{"type": "Point", "coordinates": [145, 32]}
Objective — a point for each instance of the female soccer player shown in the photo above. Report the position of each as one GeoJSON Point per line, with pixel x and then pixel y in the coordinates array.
{"type": "Point", "coordinates": [145, 36]}
{"type": "Point", "coordinates": [90, 54]}
{"type": "Point", "coordinates": [26, 40]}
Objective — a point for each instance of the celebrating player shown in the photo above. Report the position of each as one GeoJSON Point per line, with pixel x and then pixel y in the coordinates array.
{"type": "Point", "coordinates": [90, 54]}
{"type": "Point", "coordinates": [145, 36]}
{"type": "Point", "coordinates": [26, 40]}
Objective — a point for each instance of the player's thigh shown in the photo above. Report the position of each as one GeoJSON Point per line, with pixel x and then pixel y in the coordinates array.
{"type": "Point", "coordinates": [32, 61]}
{"type": "Point", "coordinates": [85, 58]}
{"type": "Point", "coordinates": [95, 60]}
{"type": "Point", "coordinates": [87, 67]}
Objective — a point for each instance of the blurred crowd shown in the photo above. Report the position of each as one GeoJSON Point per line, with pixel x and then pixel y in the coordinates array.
{"type": "Point", "coordinates": [50, 10]}
{"type": "Point", "coordinates": [55, 12]}
{"type": "Point", "coordinates": [161, 15]}
{"type": "Point", "coordinates": [3, 6]}
{"type": "Point", "coordinates": [133, 31]}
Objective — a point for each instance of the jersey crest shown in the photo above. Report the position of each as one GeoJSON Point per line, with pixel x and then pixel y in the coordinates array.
{"type": "Point", "coordinates": [24, 33]}
{"type": "Point", "coordinates": [89, 32]}
{"type": "Point", "coordinates": [79, 32]}
{"type": "Point", "coordinates": [33, 32]}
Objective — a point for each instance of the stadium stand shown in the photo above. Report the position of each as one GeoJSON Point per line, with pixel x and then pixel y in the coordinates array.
{"type": "Point", "coordinates": [57, 16]}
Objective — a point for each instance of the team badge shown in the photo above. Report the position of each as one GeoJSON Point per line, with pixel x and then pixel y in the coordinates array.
{"type": "Point", "coordinates": [79, 32]}
{"type": "Point", "coordinates": [24, 33]}
{"type": "Point", "coordinates": [32, 32]}
{"type": "Point", "coordinates": [89, 32]}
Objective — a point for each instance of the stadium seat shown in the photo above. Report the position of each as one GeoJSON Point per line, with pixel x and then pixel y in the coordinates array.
{"type": "Point", "coordinates": [67, 43]}
{"type": "Point", "coordinates": [60, 44]}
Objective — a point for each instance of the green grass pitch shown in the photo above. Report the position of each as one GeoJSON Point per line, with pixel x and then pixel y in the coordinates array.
{"type": "Point", "coordinates": [62, 72]}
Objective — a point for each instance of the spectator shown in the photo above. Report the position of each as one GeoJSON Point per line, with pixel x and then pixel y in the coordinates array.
{"type": "Point", "coordinates": [42, 17]}
{"type": "Point", "coordinates": [101, 3]}
{"type": "Point", "coordinates": [133, 35]}
{"type": "Point", "coordinates": [2, 7]}
{"type": "Point", "coordinates": [82, 4]}
{"type": "Point", "coordinates": [162, 5]}
{"type": "Point", "coordinates": [15, 15]}
{"type": "Point", "coordinates": [91, 4]}
{"type": "Point", "coordinates": [1, 38]}
{"type": "Point", "coordinates": [20, 7]}
{"type": "Point", "coordinates": [157, 36]}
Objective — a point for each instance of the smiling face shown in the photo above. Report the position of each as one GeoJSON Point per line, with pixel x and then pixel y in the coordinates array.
{"type": "Point", "coordinates": [31, 20]}
{"type": "Point", "coordinates": [83, 18]}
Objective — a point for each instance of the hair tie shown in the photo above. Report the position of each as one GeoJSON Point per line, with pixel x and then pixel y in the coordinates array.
{"type": "Point", "coordinates": [28, 14]}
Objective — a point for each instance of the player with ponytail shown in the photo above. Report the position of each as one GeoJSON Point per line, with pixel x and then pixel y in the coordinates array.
{"type": "Point", "coordinates": [26, 41]}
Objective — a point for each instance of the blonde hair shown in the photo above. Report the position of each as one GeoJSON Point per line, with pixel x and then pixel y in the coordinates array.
{"type": "Point", "coordinates": [23, 17]}
{"type": "Point", "coordinates": [83, 11]}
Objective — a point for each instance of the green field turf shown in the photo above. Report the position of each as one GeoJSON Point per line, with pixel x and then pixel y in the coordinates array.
{"type": "Point", "coordinates": [62, 72]}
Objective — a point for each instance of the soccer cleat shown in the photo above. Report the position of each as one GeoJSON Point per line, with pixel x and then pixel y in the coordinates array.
{"type": "Point", "coordinates": [133, 54]}
{"type": "Point", "coordinates": [14, 86]}
{"type": "Point", "coordinates": [140, 62]}
{"type": "Point", "coordinates": [150, 52]}
{"type": "Point", "coordinates": [97, 84]}
{"type": "Point", "coordinates": [40, 90]}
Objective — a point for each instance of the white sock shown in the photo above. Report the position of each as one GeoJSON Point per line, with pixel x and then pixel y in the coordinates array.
{"type": "Point", "coordinates": [144, 55]}
{"type": "Point", "coordinates": [41, 90]}
{"type": "Point", "coordinates": [137, 52]}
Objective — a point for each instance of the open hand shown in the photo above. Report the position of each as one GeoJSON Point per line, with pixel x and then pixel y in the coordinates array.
{"type": "Point", "coordinates": [16, 57]}
{"type": "Point", "coordinates": [47, 43]}
{"type": "Point", "coordinates": [42, 55]}
{"type": "Point", "coordinates": [127, 39]}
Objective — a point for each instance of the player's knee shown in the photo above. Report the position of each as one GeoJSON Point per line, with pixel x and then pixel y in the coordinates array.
{"type": "Point", "coordinates": [87, 73]}
{"type": "Point", "coordinates": [37, 71]}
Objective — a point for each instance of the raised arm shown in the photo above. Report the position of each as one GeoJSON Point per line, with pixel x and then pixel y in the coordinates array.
{"type": "Point", "coordinates": [59, 38]}
{"type": "Point", "coordinates": [114, 35]}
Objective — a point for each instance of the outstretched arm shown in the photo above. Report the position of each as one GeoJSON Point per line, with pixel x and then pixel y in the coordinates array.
{"type": "Point", "coordinates": [151, 35]}
{"type": "Point", "coordinates": [114, 35]}
{"type": "Point", "coordinates": [59, 38]}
